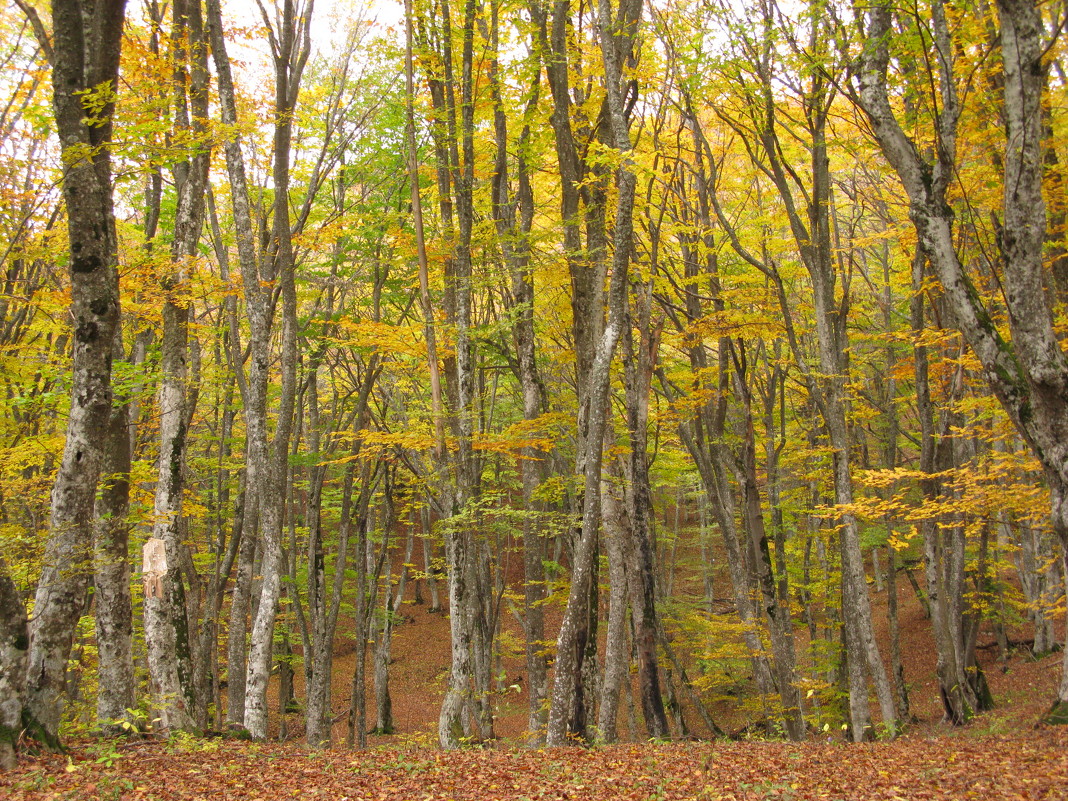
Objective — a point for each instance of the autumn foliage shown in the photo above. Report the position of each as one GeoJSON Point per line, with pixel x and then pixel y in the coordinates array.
{"type": "Point", "coordinates": [643, 372]}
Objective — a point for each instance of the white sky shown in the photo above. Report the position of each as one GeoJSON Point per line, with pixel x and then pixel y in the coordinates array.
{"type": "Point", "coordinates": [329, 16]}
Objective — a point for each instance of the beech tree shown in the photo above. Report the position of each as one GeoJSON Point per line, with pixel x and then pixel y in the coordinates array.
{"type": "Point", "coordinates": [617, 29]}
{"type": "Point", "coordinates": [83, 51]}
{"type": "Point", "coordinates": [1028, 371]}
{"type": "Point", "coordinates": [167, 630]}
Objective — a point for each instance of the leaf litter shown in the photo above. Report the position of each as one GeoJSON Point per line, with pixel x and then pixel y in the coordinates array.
{"type": "Point", "coordinates": [1031, 766]}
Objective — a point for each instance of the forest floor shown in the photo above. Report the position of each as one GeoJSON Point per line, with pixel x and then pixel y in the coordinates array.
{"type": "Point", "coordinates": [1028, 766]}
{"type": "Point", "coordinates": [1001, 754]}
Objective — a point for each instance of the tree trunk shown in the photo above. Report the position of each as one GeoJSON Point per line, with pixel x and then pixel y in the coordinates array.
{"type": "Point", "coordinates": [14, 656]}
{"type": "Point", "coordinates": [383, 642]}
{"type": "Point", "coordinates": [290, 48]}
{"type": "Point", "coordinates": [366, 591]}
{"type": "Point", "coordinates": [616, 46]}
{"type": "Point", "coordinates": [458, 558]}
{"type": "Point", "coordinates": [780, 623]}
{"type": "Point", "coordinates": [453, 131]}
{"type": "Point", "coordinates": [318, 669]}
{"type": "Point", "coordinates": [237, 630]}
{"type": "Point", "coordinates": [112, 596]}
{"type": "Point", "coordinates": [639, 545]}
{"type": "Point", "coordinates": [483, 625]}
{"type": "Point", "coordinates": [617, 654]}
{"type": "Point", "coordinates": [429, 568]}
{"type": "Point", "coordinates": [253, 390]}
{"type": "Point", "coordinates": [84, 53]}
{"type": "Point", "coordinates": [176, 696]}
{"type": "Point", "coordinates": [323, 612]}
{"type": "Point", "coordinates": [514, 236]}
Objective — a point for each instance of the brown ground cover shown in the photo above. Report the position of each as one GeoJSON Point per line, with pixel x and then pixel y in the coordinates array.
{"type": "Point", "coordinates": [1028, 766]}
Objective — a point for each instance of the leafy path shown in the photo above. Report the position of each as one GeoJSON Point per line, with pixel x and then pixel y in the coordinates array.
{"type": "Point", "coordinates": [1031, 766]}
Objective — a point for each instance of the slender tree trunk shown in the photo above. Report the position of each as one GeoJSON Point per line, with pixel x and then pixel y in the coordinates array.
{"type": "Point", "coordinates": [290, 50]}
{"type": "Point", "coordinates": [402, 579]}
{"type": "Point", "coordinates": [639, 545]}
{"type": "Point", "coordinates": [237, 631]}
{"type": "Point", "coordinates": [174, 682]}
{"type": "Point", "coordinates": [616, 45]}
{"type": "Point", "coordinates": [323, 611]}
{"type": "Point", "coordinates": [780, 624]}
{"type": "Point", "coordinates": [428, 561]}
{"type": "Point", "coordinates": [454, 129]}
{"type": "Point", "coordinates": [514, 238]}
{"type": "Point", "coordinates": [254, 389]}
{"type": "Point", "coordinates": [14, 656]}
{"type": "Point", "coordinates": [318, 670]}
{"type": "Point", "coordinates": [229, 514]}
{"type": "Point", "coordinates": [383, 643]}
{"type": "Point", "coordinates": [112, 596]}
{"type": "Point", "coordinates": [312, 625]}
{"type": "Point", "coordinates": [366, 590]}
{"type": "Point", "coordinates": [458, 557]}
{"type": "Point", "coordinates": [357, 718]}
{"type": "Point", "coordinates": [617, 654]}
{"type": "Point", "coordinates": [483, 625]}
{"type": "Point", "coordinates": [897, 669]}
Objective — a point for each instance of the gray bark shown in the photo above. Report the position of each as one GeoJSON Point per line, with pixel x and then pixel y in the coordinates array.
{"type": "Point", "coordinates": [237, 630]}
{"type": "Point", "coordinates": [112, 598]}
{"type": "Point", "coordinates": [617, 654]}
{"type": "Point", "coordinates": [323, 610]}
{"type": "Point", "coordinates": [780, 623]}
{"type": "Point", "coordinates": [453, 132]}
{"type": "Point", "coordinates": [483, 627]}
{"type": "Point", "coordinates": [429, 328]}
{"type": "Point", "coordinates": [266, 466]}
{"type": "Point", "coordinates": [383, 645]}
{"type": "Point", "coordinates": [174, 682]}
{"type": "Point", "coordinates": [322, 622]}
{"type": "Point", "coordinates": [14, 656]}
{"type": "Point", "coordinates": [290, 48]}
{"type": "Point", "coordinates": [84, 54]}
{"type": "Point", "coordinates": [366, 591]}
{"type": "Point", "coordinates": [428, 562]}
{"type": "Point", "coordinates": [639, 363]}
{"type": "Point", "coordinates": [616, 43]}
{"type": "Point", "coordinates": [254, 389]}
{"type": "Point", "coordinates": [1040, 582]}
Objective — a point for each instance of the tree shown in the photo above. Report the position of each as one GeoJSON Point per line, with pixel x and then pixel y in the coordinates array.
{"type": "Point", "coordinates": [84, 55]}
{"type": "Point", "coordinates": [513, 214]}
{"type": "Point", "coordinates": [1028, 372]}
{"type": "Point", "coordinates": [617, 32]}
{"type": "Point", "coordinates": [167, 630]}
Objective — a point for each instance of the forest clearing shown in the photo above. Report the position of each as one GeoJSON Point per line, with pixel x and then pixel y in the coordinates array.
{"type": "Point", "coordinates": [397, 398]}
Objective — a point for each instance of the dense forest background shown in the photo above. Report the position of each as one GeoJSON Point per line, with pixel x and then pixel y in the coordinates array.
{"type": "Point", "coordinates": [661, 330]}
